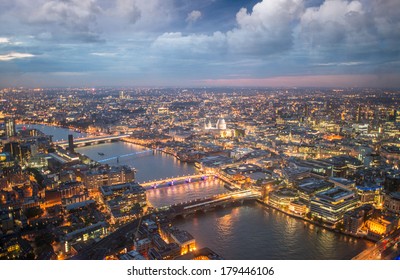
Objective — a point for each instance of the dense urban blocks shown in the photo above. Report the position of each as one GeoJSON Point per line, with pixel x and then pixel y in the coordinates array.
{"type": "Point", "coordinates": [328, 158]}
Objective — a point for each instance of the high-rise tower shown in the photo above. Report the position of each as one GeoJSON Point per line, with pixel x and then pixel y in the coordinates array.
{"type": "Point", "coordinates": [10, 127]}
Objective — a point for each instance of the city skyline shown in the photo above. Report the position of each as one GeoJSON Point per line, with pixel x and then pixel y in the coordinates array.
{"type": "Point", "coordinates": [332, 43]}
{"type": "Point", "coordinates": [210, 173]}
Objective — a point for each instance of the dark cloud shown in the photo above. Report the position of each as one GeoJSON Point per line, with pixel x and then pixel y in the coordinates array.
{"type": "Point", "coordinates": [229, 38]}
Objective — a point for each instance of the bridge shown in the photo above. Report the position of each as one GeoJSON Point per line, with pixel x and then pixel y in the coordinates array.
{"type": "Point", "coordinates": [173, 181]}
{"type": "Point", "coordinates": [209, 203]}
{"type": "Point", "coordinates": [80, 142]}
{"type": "Point", "coordinates": [98, 250]}
{"type": "Point", "coordinates": [385, 249]}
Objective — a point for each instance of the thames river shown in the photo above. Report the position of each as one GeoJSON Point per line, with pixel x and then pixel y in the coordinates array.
{"type": "Point", "coordinates": [251, 231]}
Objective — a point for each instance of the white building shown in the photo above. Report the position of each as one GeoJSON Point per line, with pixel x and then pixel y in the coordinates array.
{"type": "Point", "coordinates": [220, 129]}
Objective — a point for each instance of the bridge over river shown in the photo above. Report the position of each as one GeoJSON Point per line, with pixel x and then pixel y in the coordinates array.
{"type": "Point", "coordinates": [99, 249]}
{"type": "Point", "coordinates": [80, 142]}
{"type": "Point", "coordinates": [209, 203]}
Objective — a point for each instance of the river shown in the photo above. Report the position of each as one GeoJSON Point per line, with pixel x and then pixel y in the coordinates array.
{"type": "Point", "coordinates": [251, 231]}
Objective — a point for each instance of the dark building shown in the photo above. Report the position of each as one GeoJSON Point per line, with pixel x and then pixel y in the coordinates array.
{"type": "Point", "coordinates": [71, 143]}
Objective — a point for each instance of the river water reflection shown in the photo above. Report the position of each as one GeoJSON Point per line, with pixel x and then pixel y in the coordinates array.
{"type": "Point", "coordinates": [251, 231]}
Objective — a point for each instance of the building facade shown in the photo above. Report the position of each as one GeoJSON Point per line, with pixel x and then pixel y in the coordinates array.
{"type": "Point", "coordinates": [331, 205]}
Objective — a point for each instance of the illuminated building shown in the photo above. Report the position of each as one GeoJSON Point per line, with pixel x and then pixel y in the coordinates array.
{"type": "Point", "coordinates": [123, 201]}
{"type": "Point", "coordinates": [331, 205]}
{"type": "Point", "coordinates": [283, 197]}
{"type": "Point", "coordinates": [95, 178]}
{"type": "Point", "coordinates": [382, 225]}
{"type": "Point", "coordinates": [310, 186]}
{"type": "Point", "coordinates": [220, 129]}
{"type": "Point", "coordinates": [10, 127]}
{"type": "Point", "coordinates": [298, 208]}
{"type": "Point", "coordinates": [370, 195]}
{"type": "Point", "coordinates": [201, 254]}
{"type": "Point", "coordinates": [185, 241]}
{"type": "Point", "coordinates": [84, 234]}
{"type": "Point", "coordinates": [6, 160]}
{"type": "Point", "coordinates": [14, 248]}
{"type": "Point", "coordinates": [182, 238]}
{"type": "Point", "coordinates": [163, 111]}
{"type": "Point", "coordinates": [390, 152]}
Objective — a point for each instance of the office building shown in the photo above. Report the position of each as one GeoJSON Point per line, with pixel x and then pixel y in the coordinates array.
{"type": "Point", "coordinates": [123, 201]}
{"type": "Point", "coordinates": [10, 127]}
{"type": "Point", "coordinates": [370, 195]}
{"type": "Point", "coordinates": [331, 205]}
{"type": "Point", "coordinates": [108, 176]}
{"type": "Point", "coordinates": [392, 202]}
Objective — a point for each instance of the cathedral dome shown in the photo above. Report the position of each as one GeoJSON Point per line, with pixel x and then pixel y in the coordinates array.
{"type": "Point", "coordinates": [221, 124]}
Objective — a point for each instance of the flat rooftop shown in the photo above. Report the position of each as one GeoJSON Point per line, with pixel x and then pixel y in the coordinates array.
{"type": "Point", "coordinates": [335, 194]}
{"type": "Point", "coordinates": [311, 185]}
{"type": "Point", "coordinates": [182, 236]}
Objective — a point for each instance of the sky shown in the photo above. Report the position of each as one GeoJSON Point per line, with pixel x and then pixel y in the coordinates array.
{"type": "Point", "coordinates": [182, 43]}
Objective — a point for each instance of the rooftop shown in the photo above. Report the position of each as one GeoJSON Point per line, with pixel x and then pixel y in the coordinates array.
{"type": "Point", "coordinates": [336, 194]}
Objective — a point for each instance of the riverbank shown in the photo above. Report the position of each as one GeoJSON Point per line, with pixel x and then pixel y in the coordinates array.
{"type": "Point", "coordinates": [132, 141]}
{"type": "Point", "coordinates": [314, 222]}
{"type": "Point", "coordinates": [75, 129]}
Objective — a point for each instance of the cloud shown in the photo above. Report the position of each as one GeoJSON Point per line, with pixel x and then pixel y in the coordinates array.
{"type": "Point", "coordinates": [348, 63]}
{"type": "Point", "coordinates": [4, 40]}
{"type": "Point", "coordinates": [103, 54]}
{"type": "Point", "coordinates": [270, 38]}
{"type": "Point", "coordinates": [193, 16]}
{"type": "Point", "coordinates": [267, 29]}
{"type": "Point", "coordinates": [63, 20]}
{"type": "Point", "coordinates": [177, 43]}
{"type": "Point", "coordinates": [15, 55]}
{"type": "Point", "coordinates": [128, 9]}
{"type": "Point", "coordinates": [334, 23]}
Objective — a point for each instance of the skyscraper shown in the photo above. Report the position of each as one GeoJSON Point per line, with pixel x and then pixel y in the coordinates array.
{"type": "Point", "coordinates": [358, 114]}
{"type": "Point", "coordinates": [71, 143]}
{"type": "Point", "coordinates": [10, 127]}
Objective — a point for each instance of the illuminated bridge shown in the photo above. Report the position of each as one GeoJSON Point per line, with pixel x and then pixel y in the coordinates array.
{"type": "Point", "coordinates": [80, 142]}
{"type": "Point", "coordinates": [209, 203]}
{"type": "Point", "coordinates": [173, 181]}
{"type": "Point", "coordinates": [113, 242]}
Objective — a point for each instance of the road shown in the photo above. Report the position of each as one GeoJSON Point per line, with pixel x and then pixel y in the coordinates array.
{"type": "Point", "coordinates": [384, 249]}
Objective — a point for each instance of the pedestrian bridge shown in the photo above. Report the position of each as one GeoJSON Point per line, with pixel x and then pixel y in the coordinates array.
{"type": "Point", "coordinates": [172, 181]}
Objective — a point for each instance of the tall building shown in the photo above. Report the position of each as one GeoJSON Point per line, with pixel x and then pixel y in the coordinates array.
{"type": "Point", "coordinates": [331, 205]}
{"type": "Point", "coordinates": [95, 178]}
{"type": "Point", "coordinates": [358, 115]}
{"type": "Point", "coordinates": [10, 127]}
{"type": "Point", "coordinates": [306, 110]}
{"type": "Point", "coordinates": [71, 143]}
{"type": "Point", "coordinates": [397, 115]}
